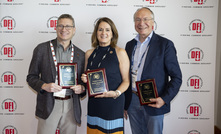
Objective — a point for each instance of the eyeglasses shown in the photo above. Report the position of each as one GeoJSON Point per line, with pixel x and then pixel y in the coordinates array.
{"type": "Point", "coordinates": [60, 27]}
{"type": "Point", "coordinates": [144, 19]}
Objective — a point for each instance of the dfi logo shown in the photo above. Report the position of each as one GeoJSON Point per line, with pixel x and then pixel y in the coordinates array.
{"type": "Point", "coordinates": [52, 22]}
{"type": "Point", "coordinates": [9, 105]}
{"type": "Point", "coordinates": [199, 2]}
{"type": "Point", "coordinates": [197, 25]}
{"type": "Point", "coordinates": [8, 77]}
{"type": "Point", "coordinates": [95, 22]}
{"type": "Point", "coordinates": [8, 22]}
{"type": "Point", "coordinates": [194, 132]}
{"type": "Point", "coordinates": [8, 50]}
{"type": "Point", "coordinates": [194, 109]}
{"type": "Point", "coordinates": [9, 130]}
{"type": "Point", "coordinates": [104, 1]}
{"type": "Point", "coordinates": [196, 54]}
{"type": "Point", "coordinates": [151, 1]}
{"type": "Point", "coordinates": [10, 0]}
{"type": "Point", "coordinates": [195, 82]}
{"type": "Point", "coordinates": [57, 0]}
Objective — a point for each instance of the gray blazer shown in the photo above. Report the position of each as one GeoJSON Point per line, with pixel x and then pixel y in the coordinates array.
{"type": "Point", "coordinates": [42, 70]}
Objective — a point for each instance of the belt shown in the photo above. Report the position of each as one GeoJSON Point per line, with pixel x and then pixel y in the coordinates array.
{"type": "Point", "coordinates": [65, 98]}
{"type": "Point", "coordinates": [135, 92]}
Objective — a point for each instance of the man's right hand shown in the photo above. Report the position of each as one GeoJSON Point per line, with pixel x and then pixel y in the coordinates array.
{"type": "Point", "coordinates": [51, 87]}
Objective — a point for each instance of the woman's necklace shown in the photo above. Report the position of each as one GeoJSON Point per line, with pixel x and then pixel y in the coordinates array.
{"type": "Point", "coordinates": [102, 57]}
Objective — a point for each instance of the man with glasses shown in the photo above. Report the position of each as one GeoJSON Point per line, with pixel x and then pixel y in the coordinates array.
{"type": "Point", "coordinates": [152, 57]}
{"type": "Point", "coordinates": [57, 107]}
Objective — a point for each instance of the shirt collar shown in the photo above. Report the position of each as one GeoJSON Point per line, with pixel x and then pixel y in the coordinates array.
{"type": "Point", "coordinates": [60, 46]}
{"type": "Point", "coordinates": [147, 39]}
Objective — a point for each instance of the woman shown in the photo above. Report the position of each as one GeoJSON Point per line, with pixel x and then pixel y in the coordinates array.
{"type": "Point", "coordinates": [105, 111]}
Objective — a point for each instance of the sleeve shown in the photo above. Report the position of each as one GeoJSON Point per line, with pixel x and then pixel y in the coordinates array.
{"type": "Point", "coordinates": [81, 63]}
{"type": "Point", "coordinates": [174, 72]}
{"type": "Point", "coordinates": [33, 77]}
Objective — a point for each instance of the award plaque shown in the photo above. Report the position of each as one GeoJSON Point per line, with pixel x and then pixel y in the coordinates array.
{"type": "Point", "coordinates": [146, 89]}
{"type": "Point", "coordinates": [96, 82]}
{"type": "Point", "coordinates": [67, 74]}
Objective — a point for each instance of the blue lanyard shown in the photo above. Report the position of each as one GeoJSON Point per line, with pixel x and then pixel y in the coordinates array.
{"type": "Point", "coordinates": [132, 64]}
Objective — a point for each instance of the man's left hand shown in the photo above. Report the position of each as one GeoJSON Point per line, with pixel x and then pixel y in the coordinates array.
{"type": "Point", "coordinates": [78, 89]}
{"type": "Point", "coordinates": [158, 102]}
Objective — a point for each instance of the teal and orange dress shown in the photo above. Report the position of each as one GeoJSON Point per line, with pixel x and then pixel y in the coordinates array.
{"type": "Point", "coordinates": [105, 115]}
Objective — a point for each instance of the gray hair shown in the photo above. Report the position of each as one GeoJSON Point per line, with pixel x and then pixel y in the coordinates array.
{"type": "Point", "coordinates": [66, 16]}
{"type": "Point", "coordinates": [152, 14]}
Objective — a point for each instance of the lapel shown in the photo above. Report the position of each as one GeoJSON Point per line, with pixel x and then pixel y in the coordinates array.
{"type": "Point", "coordinates": [76, 54]}
{"type": "Point", "coordinates": [151, 52]}
{"type": "Point", "coordinates": [130, 50]}
{"type": "Point", "coordinates": [51, 61]}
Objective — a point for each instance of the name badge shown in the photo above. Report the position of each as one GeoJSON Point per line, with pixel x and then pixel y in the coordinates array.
{"type": "Point", "coordinates": [60, 93]}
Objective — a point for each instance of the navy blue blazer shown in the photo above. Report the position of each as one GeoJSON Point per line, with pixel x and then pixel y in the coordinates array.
{"type": "Point", "coordinates": [160, 63]}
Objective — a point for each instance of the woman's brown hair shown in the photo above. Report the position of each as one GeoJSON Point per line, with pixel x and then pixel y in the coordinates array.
{"type": "Point", "coordinates": [114, 39]}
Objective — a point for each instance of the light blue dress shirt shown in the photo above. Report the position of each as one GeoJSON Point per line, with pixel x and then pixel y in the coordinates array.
{"type": "Point", "coordinates": [141, 50]}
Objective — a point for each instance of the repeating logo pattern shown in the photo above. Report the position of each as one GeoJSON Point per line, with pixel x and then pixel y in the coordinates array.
{"type": "Point", "coordinates": [9, 105]}
{"type": "Point", "coordinates": [195, 81]}
{"type": "Point", "coordinates": [196, 54]}
{"type": "Point", "coordinates": [104, 1]}
{"type": "Point", "coordinates": [8, 50]}
{"type": "Point", "coordinates": [197, 26]}
{"type": "Point", "coordinates": [54, 3]}
{"type": "Point", "coordinates": [151, 1]}
{"type": "Point", "coordinates": [9, 130]}
{"type": "Point", "coordinates": [52, 22]}
{"type": "Point", "coordinates": [194, 109]}
{"type": "Point", "coordinates": [8, 77]}
{"type": "Point", "coordinates": [8, 22]}
{"type": "Point", "coordinates": [199, 2]}
{"type": "Point", "coordinates": [11, 2]}
{"type": "Point", "coordinates": [193, 132]}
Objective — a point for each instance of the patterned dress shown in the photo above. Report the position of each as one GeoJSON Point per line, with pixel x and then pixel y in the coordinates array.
{"type": "Point", "coordinates": [105, 115]}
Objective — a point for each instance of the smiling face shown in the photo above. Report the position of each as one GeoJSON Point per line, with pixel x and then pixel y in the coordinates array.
{"type": "Point", "coordinates": [64, 34]}
{"type": "Point", "coordinates": [144, 22]}
{"type": "Point", "coordinates": [104, 34]}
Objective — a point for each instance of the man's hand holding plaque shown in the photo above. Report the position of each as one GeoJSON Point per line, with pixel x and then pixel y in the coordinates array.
{"type": "Point", "coordinates": [146, 90]}
{"type": "Point", "coordinates": [67, 75]}
{"type": "Point", "coordinates": [96, 82]}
